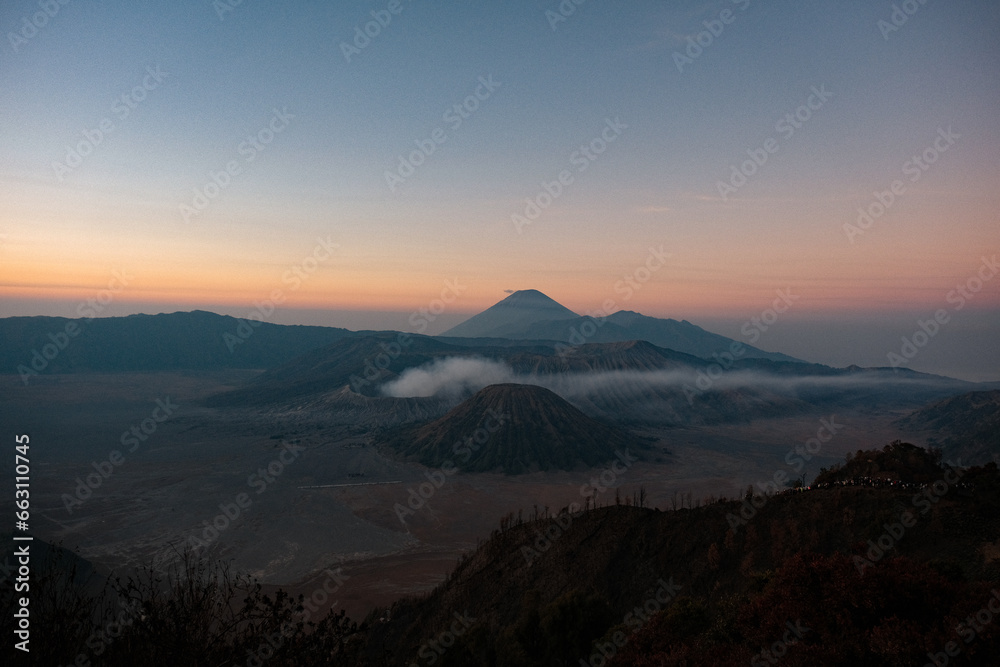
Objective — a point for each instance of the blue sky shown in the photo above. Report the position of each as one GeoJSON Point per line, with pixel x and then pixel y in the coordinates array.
{"type": "Point", "coordinates": [348, 122]}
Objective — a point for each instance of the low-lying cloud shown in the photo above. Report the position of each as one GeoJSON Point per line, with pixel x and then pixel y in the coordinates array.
{"type": "Point", "coordinates": [457, 377]}
{"type": "Point", "coordinates": [451, 377]}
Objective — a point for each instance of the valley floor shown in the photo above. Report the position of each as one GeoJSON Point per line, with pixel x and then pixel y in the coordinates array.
{"type": "Point", "coordinates": [300, 502]}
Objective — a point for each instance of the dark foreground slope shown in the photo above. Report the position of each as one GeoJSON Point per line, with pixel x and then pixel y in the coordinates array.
{"type": "Point", "coordinates": [902, 574]}
{"type": "Point", "coordinates": [729, 581]}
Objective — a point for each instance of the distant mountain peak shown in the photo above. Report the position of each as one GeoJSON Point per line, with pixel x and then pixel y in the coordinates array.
{"type": "Point", "coordinates": [625, 317]}
{"type": "Point", "coordinates": [531, 297]}
{"type": "Point", "coordinates": [511, 315]}
{"type": "Point", "coordinates": [531, 315]}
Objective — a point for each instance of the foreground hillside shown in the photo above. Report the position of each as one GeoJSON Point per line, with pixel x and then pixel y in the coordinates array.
{"type": "Point", "coordinates": [727, 577]}
{"type": "Point", "coordinates": [876, 568]}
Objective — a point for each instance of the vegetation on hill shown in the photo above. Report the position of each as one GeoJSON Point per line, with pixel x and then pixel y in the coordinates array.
{"type": "Point", "coordinates": [897, 461]}
{"type": "Point", "coordinates": [198, 613]}
{"type": "Point", "coordinates": [860, 574]}
{"type": "Point", "coordinates": [839, 560]}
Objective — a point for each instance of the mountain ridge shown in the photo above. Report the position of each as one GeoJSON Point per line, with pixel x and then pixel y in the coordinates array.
{"type": "Point", "coordinates": [531, 315]}
{"type": "Point", "coordinates": [966, 426]}
{"type": "Point", "coordinates": [188, 340]}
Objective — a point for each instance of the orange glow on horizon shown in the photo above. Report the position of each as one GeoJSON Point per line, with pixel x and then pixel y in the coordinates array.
{"type": "Point", "coordinates": [725, 278]}
{"type": "Point", "coordinates": [651, 300]}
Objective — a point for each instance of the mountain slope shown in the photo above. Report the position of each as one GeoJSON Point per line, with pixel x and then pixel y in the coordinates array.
{"type": "Point", "coordinates": [514, 428]}
{"type": "Point", "coordinates": [684, 336]}
{"type": "Point", "coordinates": [632, 382]}
{"type": "Point", "coordinates": [511, 316]}
{"type": "Point", "coordinates": [627, 325]}
{"type": "Point", "coordinates": [184, 340]}
{"type": "Point", "coordinates": [530, 315]}
{"type": "Point", "coordinates": [631, 355]}
{"type": "Point", "coordinates": [366, 361]}
{"type": "Point", "coordinates": [965, 426]}
{"type": "Point", "coordinates": [362, 361]}
{"type": "Point", "coordinates": [552, 591]}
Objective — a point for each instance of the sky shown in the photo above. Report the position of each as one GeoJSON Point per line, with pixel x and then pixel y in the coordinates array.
{"type": "Point", "coordinates": [353, 162]}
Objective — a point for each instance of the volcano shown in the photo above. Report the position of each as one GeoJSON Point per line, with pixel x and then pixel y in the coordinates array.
{"type": "Point", "coordinates": [515, 428]}
{"type": "Point", "coordinates": [508, 318]}
{"type": "Point", "coordinates": [531, 315]}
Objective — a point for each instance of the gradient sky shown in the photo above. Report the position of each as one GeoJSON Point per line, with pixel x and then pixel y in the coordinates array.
{"type": "Point", "coordinates": [63, 234]}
